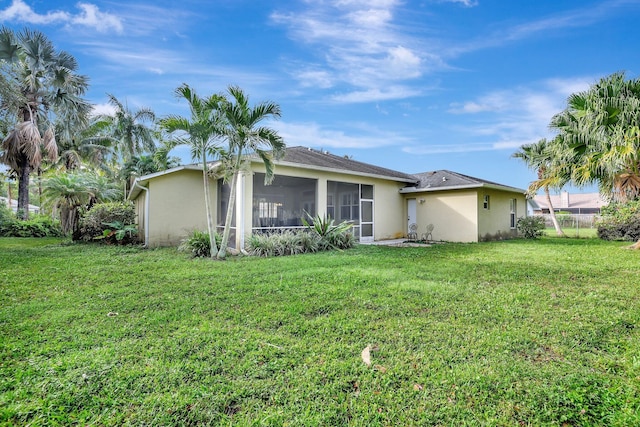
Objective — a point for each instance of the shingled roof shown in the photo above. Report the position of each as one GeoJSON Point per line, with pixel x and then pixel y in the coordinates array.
{"type": "Point", "coordinates": [323, 160]}
{"type": "Point", "coordinates": [448, 180]}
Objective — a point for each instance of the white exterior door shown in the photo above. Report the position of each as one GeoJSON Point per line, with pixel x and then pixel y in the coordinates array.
{"type": "Point", "coordinates": [366, 220]}
{"type": "Point", "coordinates": [412, 216]}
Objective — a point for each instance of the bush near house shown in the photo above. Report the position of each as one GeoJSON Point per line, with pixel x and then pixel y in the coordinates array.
{"type": "Point", "coordinates": [531, 227]}
{"type": "Point", "coordinates": [198, 244]}
{"type": "Point", "coordinates": [321, 234]}
{"type": "Point", "coordinates": [286, 243]}
{"type": "Point", "coordinates": [620, 221]}
{"type": "Point", "coordinates": [101, 217]}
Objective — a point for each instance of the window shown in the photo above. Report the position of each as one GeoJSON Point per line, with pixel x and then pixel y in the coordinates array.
{"type": "Point", "coordinates": [268, 210]}
{"type": "Point", "coordinates": [284, 203]}
{"type": "Point", "coordinates": [331, 208]}
{"type": "Point", "coordinates": [513, 213]}
{"type": "Point", "coordinates": [344, 199]}
{"type": "Point", "coordinates": [485, 204]}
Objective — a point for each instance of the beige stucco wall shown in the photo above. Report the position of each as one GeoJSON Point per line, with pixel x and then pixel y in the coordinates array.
{"type": "Point", "coordinates": [452, 213]}
{"type": "Point", "coordinates": [176, 206]}
{"type": "Point", "coordinates": [459, 215]}
{"type": "Point", "coordinates": [496, 220]}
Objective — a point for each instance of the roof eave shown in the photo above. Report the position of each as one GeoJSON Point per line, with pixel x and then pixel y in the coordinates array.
{"type": "Point", "coordinates": [409, 190]}
{"type": "Point", "coordinates": [144, 179]}
{"type": "Point", "coordinates": [342, 171]}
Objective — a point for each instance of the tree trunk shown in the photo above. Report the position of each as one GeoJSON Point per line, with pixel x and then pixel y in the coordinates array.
{"type": "Point", "coordinates": [9, 194]}
{"type": "Point", "coordinates": [230, 207]}
{"type": "Point", "coordinates": [556, 224]}
{"type": "Point", "coordinates": [40, 188]}
{"type": "Point", "coordinates": [207, 204]}
{"type": "Point", "coordinates": [23, 188]}
{"type": "Point", "coordinates": [69, 220]}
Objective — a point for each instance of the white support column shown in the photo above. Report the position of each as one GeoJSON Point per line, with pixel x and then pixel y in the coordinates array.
{"type": "Point", "coordinates": [321, 192]}
{"type": "Point", "coordinates": [240, 217]}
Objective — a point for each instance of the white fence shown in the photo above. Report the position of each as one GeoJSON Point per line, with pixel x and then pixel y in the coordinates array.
{"type": "Point", "coordinates": [573, 220]}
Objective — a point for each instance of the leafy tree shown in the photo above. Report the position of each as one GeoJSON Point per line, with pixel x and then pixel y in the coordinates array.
{"type": "Point", "coordinates": [146, 164]}
{"type": "Point", "coordinates": [38, 83]}
{"type": "Point", "coordinates": [201, 132]}
{"type": "Point", "coordinates": [129, 130]}
{"type": "Point", "coordinates": [244, 137]}
{"type": "Point", "coordinates": [143, 164]}
{"type": "Point", "coordinates": [84, 146]}
{"type": "Point", "coordinates": [540, 157]}
{"type": "Point", "coordinates": [600, 129]}
{"type": "Point", "coordinates": [67, 192]}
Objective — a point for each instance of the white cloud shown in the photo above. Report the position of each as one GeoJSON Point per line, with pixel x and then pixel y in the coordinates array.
{"type": "Point", "coordinates": [496, 101]}
{"type": "Point", "coordinates": [92, 17]}
{"type": "Point", "coordinates": [89, 16]}
{"type": "Point", "coordinates": [584, 16]}
{"type": "Point", "coordinates": [359, 47]}
{"type": "Point", "coordinates": [465, 148]}
{"type": "Point", "coordinates": [376, 94]}
{"type": "Point", "coordinates": [371, 17]}
{"type": "Point", "coordinates": [466, 3]}
{"type": "Point", "coordinates": [516, 116]}
{"type": "Point", "coordinates": [313, 135]}
{"type": "Point", "coordinates": [315, 78]}
{"type": "Point", "coordinates": [21, 12]}
{"type": "Point", "coordinates": [103, 109]}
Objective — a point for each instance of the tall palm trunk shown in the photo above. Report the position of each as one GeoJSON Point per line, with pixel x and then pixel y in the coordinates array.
{"type": "Point", "coordinates": [230, 207]}
{"type": "Point", "coordinates": [23, 188]}
{"type": "Point", "coordinates": [552, 213]}
{"type": "Point", "coordinates": [207, 204]}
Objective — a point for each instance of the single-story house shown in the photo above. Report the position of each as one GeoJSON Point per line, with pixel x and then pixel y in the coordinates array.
{"type": "Point", "coordinates": [381, 203]}
{"type": "Point", "coordinates": [13, 205]}
{"type": "Point", "coordinates": [576, 203]}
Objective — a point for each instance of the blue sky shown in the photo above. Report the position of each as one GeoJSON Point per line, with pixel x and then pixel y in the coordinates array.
{"type": "Point", "coordinates": [410, 85]}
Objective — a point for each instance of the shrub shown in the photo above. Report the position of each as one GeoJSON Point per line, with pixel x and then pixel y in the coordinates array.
{"type": "Point", "coordinates": [36, 226]}
{"type": "Point", "coordinates": [332, 235]}
{"type": "Point", "coordinates": [262, 244]}
{"type": "Point", "coordinates": [93, 222]}
{"type": "Point", "coordinates": [119, 233]}
{"type": "Point", "coordinates": [531, 227]}
{"type": "Point", "coordinates": [283, 243]}
{"type": "Point", "coordinates": [620, 221]}
{"type": "Point", "coordinates": [198, 244]}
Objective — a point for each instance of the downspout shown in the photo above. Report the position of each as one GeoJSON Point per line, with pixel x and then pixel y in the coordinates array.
{"type": "Point", "coordinates": [146, 212]}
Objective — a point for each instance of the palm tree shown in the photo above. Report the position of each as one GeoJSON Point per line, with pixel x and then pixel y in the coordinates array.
{"type": "Point", "coordinates": [245, 137]}
{"type": "Point", "coordinates": [161, 157]}
{"type": "Point", "coordinates": [67, 192]}
{"type": "Point", "coordinates": [540, 157]}
{"type": "Point", "coordinates": [201, 132]}
{"type": "Point", "coordinates": [84, 145]}
{"type": "Point", "coordinates": [129, 130]}
{"type": "Point", "coordinates": [601, 129]}
{"type": "Point", "coordinates": [38, 81]}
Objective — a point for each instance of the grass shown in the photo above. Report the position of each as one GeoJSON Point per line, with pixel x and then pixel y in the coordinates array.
{"type": "Point", "coordinates": [581, 233]}
{"type": "Point", "coordinates": [508, 333]}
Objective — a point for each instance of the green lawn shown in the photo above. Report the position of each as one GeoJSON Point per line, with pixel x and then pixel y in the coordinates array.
{"type": "Point", "coordinates": [507, 333]}
{"type": "Point", "coordinates": [583, 233]}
